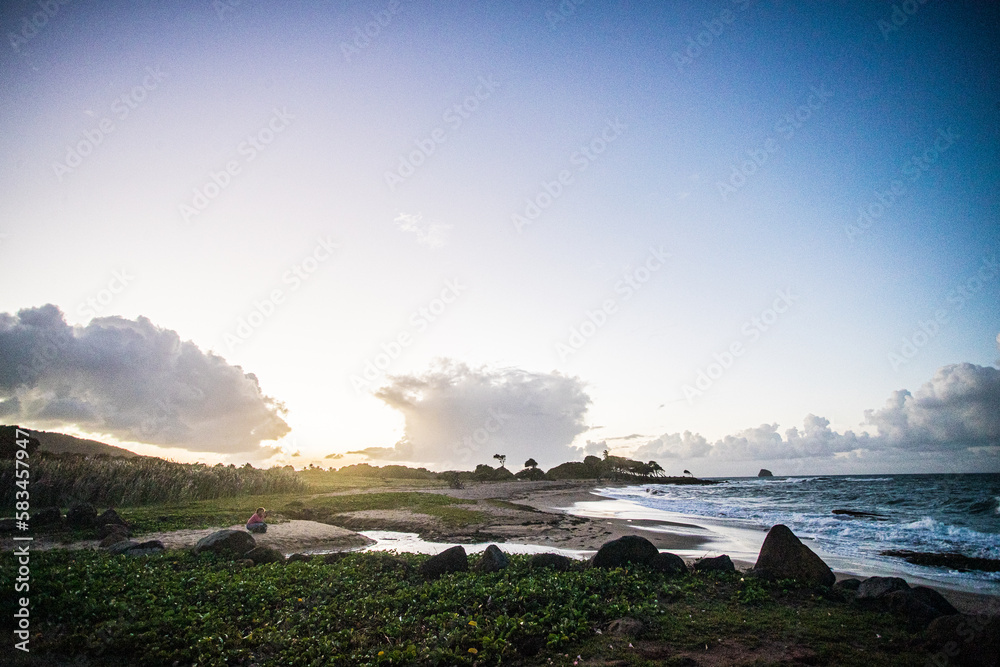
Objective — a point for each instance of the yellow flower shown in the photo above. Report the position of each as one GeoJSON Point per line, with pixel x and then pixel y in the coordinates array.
{"type": "Point", "coordinates": [473, 624]}
{"type": "Point", "coordinates": [381, 652]}
{"type": "Point", "coordinates": [473, 651]}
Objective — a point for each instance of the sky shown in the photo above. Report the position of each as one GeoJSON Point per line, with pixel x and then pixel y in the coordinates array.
{"type": "Point", "coordinates": [719, 235]}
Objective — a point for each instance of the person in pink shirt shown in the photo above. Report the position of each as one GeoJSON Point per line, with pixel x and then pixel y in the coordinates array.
{"type": "Point", "coordinates": [256, 523]}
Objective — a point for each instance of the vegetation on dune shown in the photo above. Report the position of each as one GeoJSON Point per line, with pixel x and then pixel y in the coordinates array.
{"type": "Point", "coordinates": [373, 609]}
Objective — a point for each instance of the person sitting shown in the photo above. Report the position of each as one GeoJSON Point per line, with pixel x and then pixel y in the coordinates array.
{"type": "Point", "coordinates": [256, 523]}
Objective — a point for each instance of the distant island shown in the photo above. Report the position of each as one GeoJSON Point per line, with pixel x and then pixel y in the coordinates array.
{"type": "Point", "coordinates": [764, 472]}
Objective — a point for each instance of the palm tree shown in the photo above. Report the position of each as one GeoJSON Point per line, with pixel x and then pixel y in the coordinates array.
{"type": "Point", "coordinates": [688, 472]}
{"type": "Point", "coordinates": [531, 463]}
{"type": "Point", "coordinates": [502, 458]}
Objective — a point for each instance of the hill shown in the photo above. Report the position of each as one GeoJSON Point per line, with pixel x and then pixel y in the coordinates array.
{"type": "Point", "coordinates": [60, 443]}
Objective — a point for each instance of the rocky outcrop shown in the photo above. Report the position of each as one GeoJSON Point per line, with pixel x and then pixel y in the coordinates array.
{"type": "Point", "coordinates": [630, 549]}
{"type": "Point", "coordinates": [874, 588]}
{"type": "Point", "coordinates": [964, 641]}
{"type": "Point", "coordinates": [109, 521]}
{"type": "Point", "coordinates": [764, 472]}
{"type": "Point", "coordinates": [721, 563]}
{"type": "Point", "coordinates": [918, 605]}
{"type": "Point", "coordinates": [552, 561]}
{"type": "Point", "coordinates": [234, 543]}
{"type": "Point", "coordinates": [783, 556]}
{"type": "Point", "coordinates": [263, 554]}
{"type": "Point", "coordinates": [668, 563]}
{"type": "Point", "coordinates": [450, 560]}
{"type": "Point", "coordinates": [492, 560]}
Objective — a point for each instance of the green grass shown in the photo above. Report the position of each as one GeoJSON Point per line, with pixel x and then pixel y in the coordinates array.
{"type": "Point", "coordinates": [177, 608]}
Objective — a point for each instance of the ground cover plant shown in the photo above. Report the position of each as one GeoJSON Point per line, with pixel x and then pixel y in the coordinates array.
{"type": "Point", "coordinates": [375, 609]}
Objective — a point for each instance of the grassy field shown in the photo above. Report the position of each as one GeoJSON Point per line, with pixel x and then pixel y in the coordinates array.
{"type": "Point", "coordinates": [373, 609]}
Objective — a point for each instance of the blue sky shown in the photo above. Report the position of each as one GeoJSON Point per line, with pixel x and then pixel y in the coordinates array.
{"type": "Point", "coordinates": [568, 215]}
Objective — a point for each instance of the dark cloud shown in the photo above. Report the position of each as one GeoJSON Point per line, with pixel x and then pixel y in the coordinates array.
{"type": "Point", "coordinates": [132, 380]}
{"type": "Point", "coordinates": [459, 416]}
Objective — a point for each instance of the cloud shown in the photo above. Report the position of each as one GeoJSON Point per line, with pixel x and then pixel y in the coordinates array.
{"type": "Point", "coordinates": [958, 411]}
{"type": "Point", "coordinates": [131, 380]}
{"type": "Point", "coordinates": [459, 416]}
{"type": "Point", "coordinates": [433, 235]}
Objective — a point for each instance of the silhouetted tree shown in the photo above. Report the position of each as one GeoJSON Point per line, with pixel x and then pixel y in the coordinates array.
{"type": "Point", "coordinates": [688, 472]}
{"type": "Point", "coordinates": [531, 463]}
{"type": "Point", "coordinates": [502, 458]}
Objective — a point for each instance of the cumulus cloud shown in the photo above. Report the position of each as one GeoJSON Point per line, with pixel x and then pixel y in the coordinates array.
{"type": "Point", "coordinates": [958, 411]}
{"type": "Point", "coordinates": [460, 416]}
{"type": "Point", "coordinates": [431, 234]}
{"type": "Point", "coordinates": [132, 380]}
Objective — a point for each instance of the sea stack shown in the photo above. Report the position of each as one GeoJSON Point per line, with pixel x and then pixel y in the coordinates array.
{"type": "Point", "coordinates": [764, 472]}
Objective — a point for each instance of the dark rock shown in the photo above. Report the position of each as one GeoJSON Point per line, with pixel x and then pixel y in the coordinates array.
{"type": "Point", "coordinates": [113, 538]}
{"type": "Point", "coordinates": [905, 603]}
{"type": "Point", "coordinates": [112, 529]}
{"type": "Point", "coordinates": [81, 515]}
{"type": "Point", "coordinates": [932, 598]}
{"type": "Point", "coordinates": [626, 627]}
{"type": "Point", "coordinates": [764, 472]}
{"type": "Point", "coordinates": [554, 561]}
{"type": "Point", "coordinates": [964, 641]}
{"type": "Point", "coordinates": [847, 585]}
{"type": "Point", "coordinates": [861, 515]}
{"type": "Point", "coordinates": [668, 563]}
{"type": "Point", "coordinates": [146, 548]}
{"type": "Point", "coordinates": [263, 554]}
{"type": "Point", "coordinates": [450, 560]}
{"type": "Point", "coordinates": [718, 564]}
{"type": "Point", "coordinates": [874, 588]}
{"type": "Point", "coordinates": [49, 516]}
{"type": "Point", "coordinates": [297, 558]}
{"type": "Point", "coordinates": [628, 549]}
{"type": "Point", "coordinates": [227, 542]}
{"type": "Point", "coordinates": [107, 521]}
{"type": "Point", "coordinates": [493, 560]}
{"type": "Point", "coordinates": [952, 561]}
{"type": "Point", "coordinates": [122, 546]}
{"type": "Point", "coordinates": [336, 557]}
{"type": "Point", "coordinates": [783, 556]}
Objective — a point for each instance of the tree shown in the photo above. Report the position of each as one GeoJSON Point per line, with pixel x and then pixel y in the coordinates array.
{"type": "Point", "coordinates": [606, 454]}
{"type": "Point", "coordinates": [654, 468]}
{"type": "Point", "coordinates": [531, 463]}
{"type": "Point", "coordinates": [502, 458]}
{"type": "Point", "coordinates": [688, 472]}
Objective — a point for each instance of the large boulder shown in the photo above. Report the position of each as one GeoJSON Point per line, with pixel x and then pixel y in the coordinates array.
{"type": "Point", "coordinates": [718, 564]}
{"type": "Point", "coordinates": [113, 538]}
{"type": "Point", "coordinates": [450, 560]}
{"type": "Point", "coordinates": [905, 603]}
{"type": "Point", "coordinates": [764, 472]}
{"type": "Point", "coordinates": [625, 550]}
{"type": "Point", "coordinates": [783, 556]}
{"type": "Point", "coordinates": [493, 560]}
{"type": "Point", "coordinates": [235, 543]}
{"type": "Point", "coordinates": [874, 588]}
{"type": "Point", "coordinates": [112, 529]}
{"type": "Point", "coordinates": [264, 554]}
{"type": "Point", "coordinates": [106, 520]}
{"type": "Point", "coordinates": [146, 548]}
{"type": "Point", "coordinates": [81, 516]}
{"type": "Point", "coordinates": [122, 546]}
{"type": "Point", "coordinates": [964, 641]}
{"type": "Point", "coordinates": [668, 563]}
{"type": "Point", "coordinates": [933, 599]}
{"type": "Point", "coordinates": [552, 561]}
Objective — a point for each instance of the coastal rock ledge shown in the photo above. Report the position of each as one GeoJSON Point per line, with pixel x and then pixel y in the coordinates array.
{"type": "Point", "coordinates": [783, 556]}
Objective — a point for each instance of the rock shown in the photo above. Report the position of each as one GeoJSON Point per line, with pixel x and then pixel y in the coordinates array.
{"type": "Point", "coordinates": [263, 554]}
{"type": "Point", "coordinates": [227, 542]}
{"type": "Point", "coordinates": [8, 525]}
{"type": "Point", "coordinates": [49, 516]}
{"type": "Point", "coordinates": [951, 561]}
{"type": "Point", "coordinates": [81, 515]}
{"type": "Point", "coordinates": [905, 603]}
{"type": "Point", "coordinates": [112, 529]}
{"type": "Point", "coordinates": [932, 598]}
{"type": "Point", "coordinates": [626, 627]}
{"type": "Point", "coordinates": [553, 561]}
{"type": "Point", "coordinates": [718, 564]}
{"type": "Point", "coordinates": [764, 472]}
{"type": "Point", "coordinates": [874, 588]}
{"type": "Point", "coordinates": [299, 558]}
{"type": "Point", "coordinates": [493, 560]}
{"type": "Point", "coordinates": [450, 560]}
{"type": "Point", "coordinates": [109, 518]}
{"type": "Point", "coordinates": [122, 546]}
{"type": "Point", "coordinates": [335, 557]}
{"type": "Point", "coordinates": [964, 641]}
{"type": "Point", "coordinates": [860, 515]}
{"type": "Point", "coordinates": [628, 549]}
{"type": "Point", "coordinates": [395, 564]}
{"type": "Point", "coordinates": [146, 548]}
{"type": "Point", "coordinates": [668, 563]}
{"type": "Point", "coordinates": [847, 585]}
{"type": "Point", "coordinates": [783, 556]}
{"type": "Point", "coordinates": [113, 538]}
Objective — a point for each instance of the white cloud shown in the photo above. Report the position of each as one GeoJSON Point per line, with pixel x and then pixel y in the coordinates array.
{"type": "Point", "coordinates": [460, 416]}
{"type": "Point", "coordinates": [132, 380]}
{"type": "Point", "coordinates": [433, 234]}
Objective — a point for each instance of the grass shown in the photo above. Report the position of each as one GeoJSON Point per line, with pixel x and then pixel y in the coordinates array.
{"type": "Point", "coordinates": [369, 609]}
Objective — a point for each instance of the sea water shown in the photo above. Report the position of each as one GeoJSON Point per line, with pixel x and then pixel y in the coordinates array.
{"type": "Point", "coordinates": [929, 513]}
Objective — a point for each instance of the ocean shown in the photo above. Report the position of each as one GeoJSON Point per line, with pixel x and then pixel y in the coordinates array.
{"type": "Point", "coordinates": [932, 513]}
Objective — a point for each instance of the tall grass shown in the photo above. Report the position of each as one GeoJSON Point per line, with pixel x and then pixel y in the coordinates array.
{"type": "Point", "coordinates": [60, 480]}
